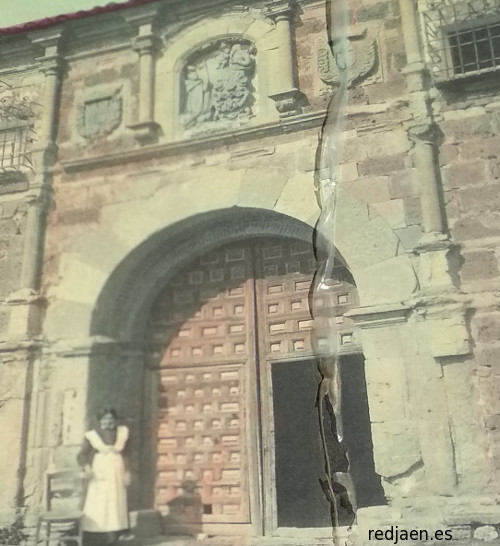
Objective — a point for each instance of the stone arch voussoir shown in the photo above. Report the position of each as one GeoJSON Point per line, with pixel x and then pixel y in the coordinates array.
{"type": "Point", "coordinates": [367, 245]}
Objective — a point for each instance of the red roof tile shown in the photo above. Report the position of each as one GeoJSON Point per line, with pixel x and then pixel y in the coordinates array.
{"type": "Point", "coordinates": [57, 19]}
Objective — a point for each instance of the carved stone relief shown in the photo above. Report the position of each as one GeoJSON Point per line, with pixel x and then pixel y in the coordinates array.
{"type": "Point", "coordinates": [217, 86]}
{"type": "Point", "coordinates": [362, 59]}
{"type": "Point", "coordinates": [100, 114]}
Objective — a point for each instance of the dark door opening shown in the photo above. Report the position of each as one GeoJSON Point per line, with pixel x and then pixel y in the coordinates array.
{"type": "Point", "coordinates": [299, 460]}
{"type": "Point", "coordinates": [357, 432]}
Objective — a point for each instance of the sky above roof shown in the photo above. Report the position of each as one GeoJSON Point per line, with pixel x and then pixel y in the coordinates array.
{"type": "Point", "coordinates": [14, 12]}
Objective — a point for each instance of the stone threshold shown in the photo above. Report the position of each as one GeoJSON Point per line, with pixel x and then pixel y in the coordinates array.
{"type": "Point", "coordinates": [233, 541]}
{"type": "Point", "coordinates": [289, 541]}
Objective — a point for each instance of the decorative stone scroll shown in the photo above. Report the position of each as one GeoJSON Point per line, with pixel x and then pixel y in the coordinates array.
{"type": "Point", "coordinates": [362, 59]}
{"type": "Point", "coordinates": [100, 114]}
{"type": "Point", "coordinates": [217, 88]}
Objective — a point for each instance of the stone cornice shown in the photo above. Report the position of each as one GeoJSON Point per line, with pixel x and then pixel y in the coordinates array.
{"type": "Point", "coordinates": [101, 52]}
{"type": "Point", "coordinates": [20, 345]}
{"type": "Point", "coordinates": [50, 65]}
{"type": "Point", "coordinates": [148, 43]}
{"type": "Point", "coordinates": [297, 123]}
{"type": "Point", "coordinates": [50, 40]}
{"type": "Point", "coordinates": [26, 295]}
{"type": "Point", "coordinates": [279, 8]}
{"type": "Point", "coordinates": [292, 124]}
{"type": "Point", "coordinates": [47, 37]}
{"type": "Point", "coordinates": [432, 242]}
{"type": "Point", "coordinates": [435, 303]}
{"type": "Point", "coordinates": [143, 15]}
{"type": "Point", "coordinates": [380, 315]}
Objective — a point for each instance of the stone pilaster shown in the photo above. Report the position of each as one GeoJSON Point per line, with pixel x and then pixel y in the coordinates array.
{"type": "Point", "coordinates": [438, 254]}
{"type": "Point", "coordinates": [436, 251]}
{"type": "Point", "coordinates": [424, 137]}
{"type": "Point", "coordinates": [51, 65]}
{"type": "Point", "coordinates": [16, 370]}
{"type": "Point", "coordinates": [285, 94]}
{"type": "Point", "coordinates": [146, 44]}
{"type": "Point", "coordinates": [19, 351]}
{"type": "Point", "coordinates": [27, 303]}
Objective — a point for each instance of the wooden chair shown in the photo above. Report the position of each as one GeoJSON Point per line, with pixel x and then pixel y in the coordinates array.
{"type": "Point", "coordinates": [61, 524]}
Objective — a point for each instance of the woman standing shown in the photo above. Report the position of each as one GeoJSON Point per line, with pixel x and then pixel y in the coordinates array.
{"type": "Point", "coordinates": [105, 512]}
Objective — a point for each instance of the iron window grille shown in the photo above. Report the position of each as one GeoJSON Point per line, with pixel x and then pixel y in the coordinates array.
{"type": "Point", "coordinates": [16, 133]}
{"type": "Point", "coordinates": [15, 143]}
{"type": "Point", "coordinates": [462, 38]}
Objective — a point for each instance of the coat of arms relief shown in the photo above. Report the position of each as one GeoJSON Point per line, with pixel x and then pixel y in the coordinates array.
{"type": "Point", "coordinates": [217, 89]}
{"type": "Point", "coordinates": [362, 58]}
{"type": "Point", "coordinates": [99, 114]}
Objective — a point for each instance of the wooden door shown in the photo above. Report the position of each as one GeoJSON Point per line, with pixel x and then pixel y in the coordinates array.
{"type": "Point", "coordinates": [216, 331]}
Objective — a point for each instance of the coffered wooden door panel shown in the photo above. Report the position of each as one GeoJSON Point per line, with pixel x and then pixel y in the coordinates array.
{"type": "Point", "coordinates": [215, 331]}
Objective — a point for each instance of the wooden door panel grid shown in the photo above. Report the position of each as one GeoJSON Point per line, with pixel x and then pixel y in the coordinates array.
{"type": "Point", "coordinates": [202, 335]}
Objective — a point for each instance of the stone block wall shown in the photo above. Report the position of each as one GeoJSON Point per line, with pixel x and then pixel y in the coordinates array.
{"type": "Point", "coordinates": [468, 158]}
{"type": "Point", "coordinates": [15, 374]}
{"type": "Point", "coordinates": [111, 193]}
{"type": "Point", "coordinates": [12, 224]}
{"type": "Point", "coordinates": [15, 361]}
{"type": "Point", "coordinates": [377, 161]}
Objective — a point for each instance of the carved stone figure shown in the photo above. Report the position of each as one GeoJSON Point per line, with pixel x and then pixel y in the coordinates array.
{"type": "Point", "coordinates": [361, 59]}
{"type": "Point", "coordinates": [197, 101]}
{"type": "Point", "coordinates": [217, 85]}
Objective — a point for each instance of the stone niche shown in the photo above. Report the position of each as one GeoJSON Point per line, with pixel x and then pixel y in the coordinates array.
{"type": "Point", "coordinates": [216, 77]}
{"type": "Point", "coordinates": [218, 87]}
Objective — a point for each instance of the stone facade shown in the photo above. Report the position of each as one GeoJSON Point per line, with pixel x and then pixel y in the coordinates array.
{"type": "Point", "coordinates": [164, 130]}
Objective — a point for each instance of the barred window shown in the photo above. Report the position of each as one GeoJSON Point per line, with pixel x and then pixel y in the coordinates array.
{"type": "Point", "coordinates": [15, 147]}
{"type": "Point", "coordinates": [16, 134]}
{"type": "Point", "coordinates": [474, 49]}
{"type": "Point", "coordinates": [462, 37]}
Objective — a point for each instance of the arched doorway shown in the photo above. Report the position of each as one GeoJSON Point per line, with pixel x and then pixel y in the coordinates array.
{"type": "Point", "coordinates": [230, 335]}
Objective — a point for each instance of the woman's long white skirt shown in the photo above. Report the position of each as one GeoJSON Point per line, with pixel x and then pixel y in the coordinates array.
{"type": "Point", "coordinates": [105, 508]}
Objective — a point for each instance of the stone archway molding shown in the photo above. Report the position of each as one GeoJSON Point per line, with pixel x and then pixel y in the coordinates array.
{"type": "Point", "coordinates": [102, 272]}
{"type": "Point", "coordinates": [366, 245]}
{"type": "Point", "coordinates": [146, 272]}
